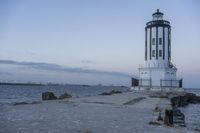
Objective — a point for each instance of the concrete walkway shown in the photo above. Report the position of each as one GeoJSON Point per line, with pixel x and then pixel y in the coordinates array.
{"type": "Point", "coordinates": [95, 114]}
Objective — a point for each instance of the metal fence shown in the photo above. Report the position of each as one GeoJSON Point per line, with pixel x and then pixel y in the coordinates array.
{"type": "Point", "coordinates": [163, 83]}
{"type": "Point", "coordinates": [171, 83]}
{"type": "Point", "coordinates": [145, 82]}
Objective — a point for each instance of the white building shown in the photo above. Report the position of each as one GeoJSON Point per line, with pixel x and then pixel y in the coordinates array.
{"type": "Point", "coordinates": [158, 71]}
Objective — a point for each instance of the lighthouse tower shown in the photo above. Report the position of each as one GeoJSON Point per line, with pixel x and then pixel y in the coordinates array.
{"type": "Point", "coordinates": [158, 71]}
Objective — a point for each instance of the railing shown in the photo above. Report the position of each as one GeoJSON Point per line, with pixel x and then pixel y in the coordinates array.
{"type": "Point", "coordinates": [158, 22]}
{"type": "Point", "coordinates": [171, 83]}
{"type": "Point", "coordinates": [145, 83]}
{"type": "Point", "coordinates": [158, 65]}
{"type": "Point", "coordinates": [163, 83]}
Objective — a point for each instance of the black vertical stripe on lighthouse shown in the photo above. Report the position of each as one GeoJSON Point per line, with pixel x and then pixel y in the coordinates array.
{"type": "Point", "coordinates": [156, 42]}
{"type": "Point", "coordinates": [168, 44]}
{"type": "Point", "coordinates": [170, 52]}
{"type": "Point", "coordinates": [150, 44]}
{"type": "Point", "coordinates": [163, 42]}
{"type": "Point", "coordinates": [145, 43]}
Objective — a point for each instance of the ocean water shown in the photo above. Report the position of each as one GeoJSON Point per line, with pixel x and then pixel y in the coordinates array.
{"type": "Point", "coordinates": [11, 94]}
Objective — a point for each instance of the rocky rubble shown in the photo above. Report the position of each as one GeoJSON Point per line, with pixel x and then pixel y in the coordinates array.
{"type": "Point", "coordinates": [178, 99]}
{"type": "Point", "coordinates": [64, 96]}
{"type": "Point", "coordinates": [184, 99]}
{"type": "Point", "coordinates": [178, 118]}
{"type": "Point", "coordinates": [51, 96]}
{"type": "Point", "coordinates": [173, 116]}
{"type": "Point", "coordinates": [48, 96]}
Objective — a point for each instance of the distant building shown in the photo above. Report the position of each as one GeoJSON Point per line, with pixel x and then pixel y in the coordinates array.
{"type": "Point", "coordinates": [158, 72]}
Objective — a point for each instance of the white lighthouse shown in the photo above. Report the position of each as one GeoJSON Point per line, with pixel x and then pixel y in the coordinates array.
{"type": "Point", "coordinates": [158, 71]}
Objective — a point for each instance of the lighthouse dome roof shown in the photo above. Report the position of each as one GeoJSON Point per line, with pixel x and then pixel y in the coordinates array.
{"type": "Point", "coordinates": [157, 13]}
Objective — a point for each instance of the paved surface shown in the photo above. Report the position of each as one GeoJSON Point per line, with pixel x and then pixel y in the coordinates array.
{"type": "Point", "coordinates": [96, 114]}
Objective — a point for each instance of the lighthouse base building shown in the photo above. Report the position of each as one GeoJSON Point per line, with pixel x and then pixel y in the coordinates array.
{"type": "Point", "coordinates": [158, 72]}
{"type": "Point", "coordinates": [158, 77]}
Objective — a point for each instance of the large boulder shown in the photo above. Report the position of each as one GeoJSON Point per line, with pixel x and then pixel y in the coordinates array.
{"type": "Point", "coordinates": [48, 96]}
{"type": "Point", "coordinates": [196, 99]}
{"type": "Point", "coordinates": [64, 96]}
{"type": "Point", "coordinates": [111, 92]}
{"type": "Point", "coordinates": [184, 99]}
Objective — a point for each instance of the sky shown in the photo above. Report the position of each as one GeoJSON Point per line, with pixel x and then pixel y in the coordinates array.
{"type": "Point", "coordinates": [92, 41]}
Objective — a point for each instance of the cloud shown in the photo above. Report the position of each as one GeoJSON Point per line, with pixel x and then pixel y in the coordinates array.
{"type": "Point", "coordinates": [32, 53]}
{"type": "Point", "coordinates": [87, 61]}
{"type": "Point", "coordinates": [5, 73]}
{"type": "Point", "coordinates": [55, 67]}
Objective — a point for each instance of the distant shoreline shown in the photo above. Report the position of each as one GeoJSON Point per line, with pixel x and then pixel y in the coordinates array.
{"type": "Point", "coordinates": [23, 84]}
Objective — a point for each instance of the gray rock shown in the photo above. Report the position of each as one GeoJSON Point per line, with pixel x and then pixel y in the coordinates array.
{"type": "Point", "coordinates": [178, 117]}
{"type": "Point", "coordinates": [154, 123]}
{"type": "Point", "coordinates": [184, 99]}
{"type": "Point", "coordinates": [20, 103]}
{"type": "Point", "coordinates": [64, 96]}
{"type": "Point", "coordinates": [196, 99]}
{"type": "Point", "coordinates": [111, 92]}
{"type": "Point", "coordinates": [135, 100]}
{"type": "Point", "coordinates": [159, 117]}
{"type": "Point", "coordinates": [48, 96]}
{"type": "Point", "coordinates": [168, 120]}
{"type": "Point", "coordinates": [197, 129]}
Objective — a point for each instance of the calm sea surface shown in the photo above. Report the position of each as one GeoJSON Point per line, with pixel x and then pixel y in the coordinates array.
{"type": "Point", "coordinates": [11, 94]}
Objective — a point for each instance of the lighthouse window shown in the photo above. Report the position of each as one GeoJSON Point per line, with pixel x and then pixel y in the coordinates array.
{"type": "Point", "coordinates": [153, 41]}
{"type": "Point", "coordinates": [153, 53]}
{"type": "Point", "coordinates": [168, 73]}
{"type": "Point", "coordinates": [160, 41]}
{"type": "Point", "coordinates": [160, 53]}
